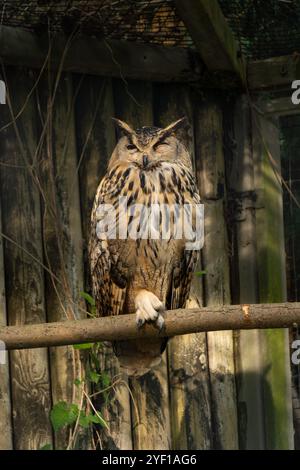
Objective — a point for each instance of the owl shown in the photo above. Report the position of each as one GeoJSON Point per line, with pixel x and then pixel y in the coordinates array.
{"type": "Point", "coordinates": [138, 251]}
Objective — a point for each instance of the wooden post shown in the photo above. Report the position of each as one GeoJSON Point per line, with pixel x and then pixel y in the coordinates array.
{"type": "Point", "coordinates": [6, 437]}
{"type": "Point", "coordinates": [210, 169]}
{"type": "Point", "coordinates": [96, 140]}
{"type": "Point", "coordinates": [151, 428]}
{"type": "Point", "coordinates": [30, 389]}
{"type": "Point", "coordinates": [272, 283]}
{"type": "Point", "coordinates": [62, 239]}
{"type": "Point", "coordinates": [188, 368]}
{"type": "Point", "coordinates": [243, 202]}
{"type": "Point", "coordinates": [290, 153]}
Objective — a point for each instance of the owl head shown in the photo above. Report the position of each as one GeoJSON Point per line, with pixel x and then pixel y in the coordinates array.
{"type": "Point", "coordinates": [147, 146]}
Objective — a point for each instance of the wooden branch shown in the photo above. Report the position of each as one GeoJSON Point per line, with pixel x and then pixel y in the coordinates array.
{"type": "Point", "coordinates": [177, 322]}
{"type": "Point", "coordinates": [110, 58]}
{"type": "Point", "coordinates": [273, 72]}
{"type": "Point", "coordinates": [212, 35]}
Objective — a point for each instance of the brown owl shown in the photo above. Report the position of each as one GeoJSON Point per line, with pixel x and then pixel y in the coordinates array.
{"type": "Point", "coordinates": [138, 251]}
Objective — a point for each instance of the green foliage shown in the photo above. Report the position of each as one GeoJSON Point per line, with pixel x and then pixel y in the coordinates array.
{"type": "Point", "coordinates": [105, 380]}
{"type": "Point", "coordinates": [63, 414]}
{"type": "Point", "coordinates": [83, 346]}
{"type": "Point", "coordinates": [93, 376]}
{"type": "Point", "coordinates": [46, 447]}
{"type": "Point", "coordinates": [86, 420]}
{"type": "Point", "coordinates": [91, 303]}
{"type": "Point", "coordinates": [97, 419]}
{"type": "Point", "coordinates": [200, 273]}
{"type": "Point", "coordinates": [69, 414]}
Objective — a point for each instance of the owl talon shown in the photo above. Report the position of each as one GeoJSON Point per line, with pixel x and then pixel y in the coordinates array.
{"type": "Point", "coordinates": [148, 309]}
{"type": "Point", "coordinates": [139, 323]}
{"type": "Point", "coordinates": [160, 322]}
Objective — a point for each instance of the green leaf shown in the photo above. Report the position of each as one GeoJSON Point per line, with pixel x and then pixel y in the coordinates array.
{"type": "Point", "coordinates": [46, 447]}
{"type": "Point", "coordinates": [97, 419]}
{"type": "Point", "coordinates": [200, 273]}
{"type": "Point", "coordinates": [77, 382]}
{"type": "Point", "coordinates": [94, 376]}
{"type": "Point", "coordinates": [95, 360]}
{"type": "Point", "coordinates": [63, 414]}
{"type": "Point", "coordinates": [88, 298]}
{"type": "Point", "coordinates": [105, 379]}
{"type": "Point", "coordinates": [83, 346]}
{"type": "Point", "coordinates": [84, 420]}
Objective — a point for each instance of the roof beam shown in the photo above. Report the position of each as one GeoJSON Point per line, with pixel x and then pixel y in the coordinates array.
{"type": "Point", "coordinates": [212, 35]}
{"type": "Point", "coordinates": [106, 58]}
{"type": "Point", "coordinates": [274, 72]}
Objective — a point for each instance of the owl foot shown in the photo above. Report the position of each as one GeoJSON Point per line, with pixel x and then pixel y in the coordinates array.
{"type": "Point", "coordinates": [149, 309]}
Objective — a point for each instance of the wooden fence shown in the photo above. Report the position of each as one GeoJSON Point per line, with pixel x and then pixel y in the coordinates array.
{"type": "Point", "coordinates": [218, 390]}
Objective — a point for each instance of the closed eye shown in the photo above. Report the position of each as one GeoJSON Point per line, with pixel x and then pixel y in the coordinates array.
{"type": "Point", "coordinates": [131, 147]}
{"type": "Point", "coordinates": [161, 146]}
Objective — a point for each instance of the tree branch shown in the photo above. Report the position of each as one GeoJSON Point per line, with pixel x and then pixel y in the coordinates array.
{"type": "Point", "coordinates": [177, 322]}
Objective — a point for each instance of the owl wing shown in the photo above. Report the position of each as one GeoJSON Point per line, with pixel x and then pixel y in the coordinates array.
{"type": "Point", "coordinates": [109, 286]}
{"type": "Point", "coordinates": [182, 278]}
{"type": "Point", "coordinates": [185, 268]}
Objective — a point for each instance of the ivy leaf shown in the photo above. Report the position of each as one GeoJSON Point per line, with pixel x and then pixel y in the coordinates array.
{"type": "Point", "coordinates": [94, 376]}
{"type": "Point", "coordinates": [84, 420]}
{"type": "Point", "coordinates": [97, 419]}
{"type": "Point", "coordinates": [105, 379]}
{"type": "Point", "coordinates": [63, 414]}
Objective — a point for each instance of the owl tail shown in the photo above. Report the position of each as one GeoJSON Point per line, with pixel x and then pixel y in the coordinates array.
{"type": "Point", "coordinates": [137, 357]}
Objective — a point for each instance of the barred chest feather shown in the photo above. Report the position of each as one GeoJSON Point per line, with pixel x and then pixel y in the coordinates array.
{"type": "Point", "coordinates": [169, 185]}
{"type": "Point", "coordinates": [161, 182]}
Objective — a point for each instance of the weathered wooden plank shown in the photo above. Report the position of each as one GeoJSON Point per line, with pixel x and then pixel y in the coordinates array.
{"type": "Point", "coordinates": [24, 277]}
{"type": "Point", "coordinates": [109, 58]}
{"type": "Point", "coordinates": [6, 437]}
{"type": "Point", "coordinates": [95, 142]}
{"type": "Point", "coordinates": [243, 202]}
{"type": "Point", "coordinates": [151, 428]}
{"type": "Point", "coordinates": [209, 145]}
{"type": "Point", "coordinates": [289, 130]}
{"type": "Point", "coordinates": [273, 72]}
{"type": "Point", "coordinates": [188, 370]}
{"type": "Point", "coordinates": [212, 35]}
{"type": "Point", "coordinates": [282, 106]}
{"type": "Point", "coordinates": [62, 238]}
{"type": "Point", "coordinates": [278, 421]}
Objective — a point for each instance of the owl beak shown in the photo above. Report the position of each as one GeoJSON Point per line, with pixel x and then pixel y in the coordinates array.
{"type": "Point", "coordinates": [145, 160]}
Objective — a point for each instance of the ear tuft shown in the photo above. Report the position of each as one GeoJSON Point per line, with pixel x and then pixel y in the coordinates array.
{"type": "Point", "coordinates": [182, 122]}
{"type": "Point", "coordinates": [123, 126]}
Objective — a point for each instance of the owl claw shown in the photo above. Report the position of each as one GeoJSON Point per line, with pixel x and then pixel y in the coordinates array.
{"type": "Point", "coordinates": [139, 322]}
{"type": "Point", "coordinates": [148, 309]}
{"type": "Point", "coordinates": [160, 322]}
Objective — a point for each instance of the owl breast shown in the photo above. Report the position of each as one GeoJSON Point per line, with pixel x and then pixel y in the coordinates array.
{"type": "Point", "coordinates": [146, 202]}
